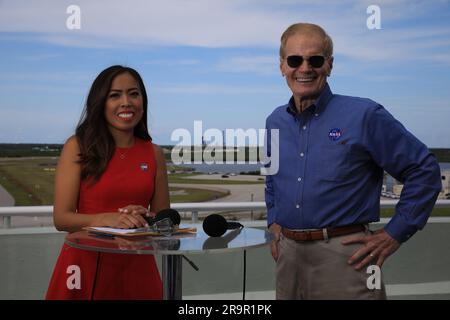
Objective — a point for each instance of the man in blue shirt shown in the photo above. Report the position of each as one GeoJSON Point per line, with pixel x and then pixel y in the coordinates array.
{"type": "Point", "coordinates": [332, 151]}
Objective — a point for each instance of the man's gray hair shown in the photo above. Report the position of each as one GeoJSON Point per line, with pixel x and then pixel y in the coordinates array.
{"type": "Point", "coordinates": [307, 29]}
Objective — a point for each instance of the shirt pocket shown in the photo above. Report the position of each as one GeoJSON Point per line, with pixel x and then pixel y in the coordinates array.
{"type": "Point", "coordinates": [333, 162]}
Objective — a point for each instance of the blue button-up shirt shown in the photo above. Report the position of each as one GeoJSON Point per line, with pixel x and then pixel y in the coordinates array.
{"type": "Point", "coordinates": [331, 161]}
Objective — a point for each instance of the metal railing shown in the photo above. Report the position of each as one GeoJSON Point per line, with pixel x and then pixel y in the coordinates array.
{"type": "Point", "coordinates": [191, 207]}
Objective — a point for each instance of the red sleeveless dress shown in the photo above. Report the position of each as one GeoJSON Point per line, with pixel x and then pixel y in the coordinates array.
{"type": "Point", "coordinates": [128, 179]}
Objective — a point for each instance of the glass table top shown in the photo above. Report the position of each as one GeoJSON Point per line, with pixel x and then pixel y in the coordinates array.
{"type": "Point", "coordinates": [197, 243]}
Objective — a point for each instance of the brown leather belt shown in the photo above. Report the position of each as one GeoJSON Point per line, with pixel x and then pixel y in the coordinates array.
{"type": "Point", "coordinates": [311, 235]}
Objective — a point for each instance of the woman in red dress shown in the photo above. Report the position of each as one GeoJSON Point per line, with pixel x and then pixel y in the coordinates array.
{"type": "Point", "coordinates": [109, 174]}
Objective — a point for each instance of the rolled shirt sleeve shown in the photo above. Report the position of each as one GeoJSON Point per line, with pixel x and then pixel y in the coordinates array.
{"type": "Point", "coordinates": [409, 161]}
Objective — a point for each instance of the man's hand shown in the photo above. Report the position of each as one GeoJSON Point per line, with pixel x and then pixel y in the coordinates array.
{"type": "Point", "coordinates": [379, 245]}
{"type": "Point", "coordinates": [275, 229]}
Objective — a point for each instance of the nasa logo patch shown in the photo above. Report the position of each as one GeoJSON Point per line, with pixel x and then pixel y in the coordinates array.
{"type": "Point", "coordinates": [335, 134]}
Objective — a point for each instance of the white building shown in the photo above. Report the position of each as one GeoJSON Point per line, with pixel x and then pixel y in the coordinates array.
{"type": "Point", "coordinates": [445, 193]}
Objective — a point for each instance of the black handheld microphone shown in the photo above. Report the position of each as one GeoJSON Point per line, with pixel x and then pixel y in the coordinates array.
{"type": "Point", "coordinates": [172, 214]}
{"type": "Point", "coordinates": [215, 225]}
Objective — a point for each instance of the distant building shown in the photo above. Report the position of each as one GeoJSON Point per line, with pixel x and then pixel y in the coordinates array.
{"type": "Point", "coordinates": [45, 149]}
{"type": "Point", "coordinates": [445, 193]}
{"type": "Point", "coordinates": [397, 189]}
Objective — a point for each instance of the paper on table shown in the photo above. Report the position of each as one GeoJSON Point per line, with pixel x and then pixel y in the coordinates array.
{"type": "Point", "coordinates": [137, 232]}
{"type": "Point", "coordinates": [119, 231]}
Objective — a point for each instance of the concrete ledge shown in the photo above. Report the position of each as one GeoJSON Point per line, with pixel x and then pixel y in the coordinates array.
{"type": "Point", "coordinates": [32, 230]}
{"type": "Point", "coordinates": [249, 224]}
{"type": "Point", "coordinates": [392, 291]}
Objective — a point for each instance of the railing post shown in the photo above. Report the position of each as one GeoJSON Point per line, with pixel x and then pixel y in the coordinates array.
{"type": "Point", "coordinates": [251, 212]}
{"type": "Point", "coordinates": [7, 222]}
{"type": "Point", "coordinates": [194, 217]}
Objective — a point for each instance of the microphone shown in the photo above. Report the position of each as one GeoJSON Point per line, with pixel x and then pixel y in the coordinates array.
{"type": "Point", "coordinates": [171, 214]}
{"type": "Point", "coordinates": [221, 242]}
{"type": "Point", "coordinates": [215, 225]}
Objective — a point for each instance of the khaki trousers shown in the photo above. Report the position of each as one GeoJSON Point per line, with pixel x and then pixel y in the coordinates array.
{"type": "Point", "coordinates": [319, 270]}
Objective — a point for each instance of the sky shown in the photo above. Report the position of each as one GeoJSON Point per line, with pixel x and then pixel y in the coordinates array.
{"type": "Point", "coordinates": [217, 61]}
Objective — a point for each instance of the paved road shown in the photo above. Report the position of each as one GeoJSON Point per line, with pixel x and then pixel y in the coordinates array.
{"type": "Point", "coordinates": [238, 192]}
{"type": "Point", "coordinates": [6, 200]}
{"type": "Point", "coordinates": [239, 177]}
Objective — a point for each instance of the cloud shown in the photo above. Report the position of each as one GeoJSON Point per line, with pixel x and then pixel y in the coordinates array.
{"type": "Point", "coordinates": [193, 23]}
{"type": "Point", "coordinates": [260, 65]}
{"type": "Point", "coordinates": [444, 58]}
{"type": "Point", "coordinates": [41, 57]}
{"type": "Point", "coordinates": [233, 23]}
{"type": "Point", "coordinates": [173, 62]}
{"type": "Point", "coordinates": [46, 76]}
{"type": "Point", "coordinates": [202, 88]}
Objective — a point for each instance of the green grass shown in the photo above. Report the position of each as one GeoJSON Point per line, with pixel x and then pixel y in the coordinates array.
{"type": "Point", "coordinates": [171, 167]}
{"type": "Point", "coordinates": [196, 195]}
{"type": "Point", "coordinates": [30, 184]}
{"type": "Point", "coordinates": [29, 150]}
{"type": "Point", "coordinates": [181, 178]}
{"type": "Point", "coordinates": [27, 181]}
{"type": "Point", "coordinates": [437, 212]}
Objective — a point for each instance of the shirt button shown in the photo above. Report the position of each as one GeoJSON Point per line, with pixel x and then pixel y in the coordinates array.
{"type": "Point", "coordinates": [316, 115]}
{"type": "Point", "coordinates": [299, 179]}
{"type": "Point", "coordinates": [302, 154]}
{"type": "Point", "coordinates": [304, 127]}
{"type": "Point", "coordinates": [297, 206]}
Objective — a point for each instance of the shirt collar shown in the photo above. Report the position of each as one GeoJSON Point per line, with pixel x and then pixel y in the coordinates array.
{"type": "Point", "coordinates": [317, 107]}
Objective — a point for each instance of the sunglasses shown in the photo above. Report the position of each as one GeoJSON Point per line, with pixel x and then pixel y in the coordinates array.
{"type": "Point", "coordinates": [297, 61]}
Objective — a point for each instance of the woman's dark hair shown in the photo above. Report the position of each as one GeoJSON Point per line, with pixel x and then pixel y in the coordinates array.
{"type": "Point", "coordinates": [96, 143]}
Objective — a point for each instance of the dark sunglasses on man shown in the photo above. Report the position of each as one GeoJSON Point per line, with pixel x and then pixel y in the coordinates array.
{"type": "Point", "coordinates": [297, 61]}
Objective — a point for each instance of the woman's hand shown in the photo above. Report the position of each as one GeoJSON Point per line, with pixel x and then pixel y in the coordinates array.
{"type": "Point", "coordinates": [131, 216]}
{"type": "Point", "coordinates": [135, 209]}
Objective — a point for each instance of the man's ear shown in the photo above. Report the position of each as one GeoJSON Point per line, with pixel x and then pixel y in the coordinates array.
{"type": "Point", "coordinates": [281, 67]}
{"type": "Point", "coordinates": [330, 63]}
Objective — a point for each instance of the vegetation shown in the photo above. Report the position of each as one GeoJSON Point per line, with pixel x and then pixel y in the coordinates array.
{"type": "Point", "coordinates": [437, 212]}
{"type": "Point", "coordinates": [181, 178]}
{"type": "Point", "coordinates": [29, 150]}
{"type": "Point", "coordinates": [443, 155]}
{"type": "Point", "coordinates": [45, 150]}
{"type": "Point", "coordinates": [30, 182]}
{"type": "Point", "coordinates": [29, 176]}
{"type": "Point", "coordinates": [178, 195]}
